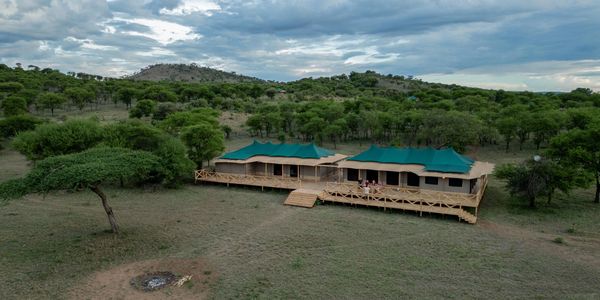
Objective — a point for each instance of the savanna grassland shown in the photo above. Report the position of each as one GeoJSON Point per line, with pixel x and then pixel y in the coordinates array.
{"type": "Point", "coordinates": [249, 245]}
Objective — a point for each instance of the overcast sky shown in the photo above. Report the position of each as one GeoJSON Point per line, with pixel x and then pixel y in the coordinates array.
{"type": "Point", "coordinates": [537, 45]}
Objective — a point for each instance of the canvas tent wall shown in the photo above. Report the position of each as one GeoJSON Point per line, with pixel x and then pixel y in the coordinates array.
{"type": "Point", "coordinates": [302, 161]}
{"type": "Point", "coordinates": [424, 168]}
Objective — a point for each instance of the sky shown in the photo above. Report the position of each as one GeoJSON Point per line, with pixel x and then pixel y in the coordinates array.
{"type": "Point", "coordinates": [535, 45]}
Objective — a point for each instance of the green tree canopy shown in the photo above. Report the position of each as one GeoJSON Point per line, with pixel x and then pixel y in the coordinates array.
{"type": "Point", "coordinates": [143, 108]}
{"type": "Point", "coordinates": [175, 122]}
{"type": "Point", "coordinates": [11, 126]}
{"type": "Point", "coordinates": [79, 96]}
{"type": "Point", "coordinates": [204, 142]}
{"type": "Point", "coordinates": [539, 177]}
{"type": "Point", "coordinates": [14, 105]}
{"type": "Point", "coordinates": [580, 148]}
{"type": "Point", "coordinates": [91, 169]}
{"type": "Point", "coordinates": [51, 101]}
{"type": "Point", "coordinates": [56, 139]}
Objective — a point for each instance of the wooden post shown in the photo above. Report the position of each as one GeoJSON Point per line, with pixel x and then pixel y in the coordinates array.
{"type": "Point", "coordinates": [316, 173]}
{"type": "Point", "coordinates": [298, 172]}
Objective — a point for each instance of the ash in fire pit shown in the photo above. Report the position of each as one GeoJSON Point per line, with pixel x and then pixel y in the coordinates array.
{"type": "Point", "coordinates": [153, 281]}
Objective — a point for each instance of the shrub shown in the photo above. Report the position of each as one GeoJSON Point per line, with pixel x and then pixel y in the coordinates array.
{"type": "Point", "coordinates": [57, 139]}
{"type": "Point", "coordinates": [11, 126]}
{"type": "Point", "coordinates": [143, 108]}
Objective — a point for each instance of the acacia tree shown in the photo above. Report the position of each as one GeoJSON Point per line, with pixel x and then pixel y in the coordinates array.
{"type": "Point", "coordinates": [580, 148]}
{"type": "Point", "coordinates": [507, 127]}
{"type": "Point", "coordinates": [91, 169]}
{"type": "Point", "coordinates": [51, 101]}
{"type": "Point", "coordinates": [204, 142]}
{"type": "Point", "coordinates": [79, 96]}
{"type": "Point", "coordinates": [14, 105]}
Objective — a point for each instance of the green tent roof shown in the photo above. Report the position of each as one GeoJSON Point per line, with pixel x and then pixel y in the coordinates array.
{"type": "Point", "coordinates": [444, 160]}
{"type": "Point", "coordinates": [278, 150]}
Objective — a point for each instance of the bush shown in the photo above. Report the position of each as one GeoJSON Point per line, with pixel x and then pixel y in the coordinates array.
{"type": "Point", "coordinates": [14, 105]}
{"type": "Point", "coordinates": [11, 126]}
{"type": "Point", "coordinates": [136, 135]}
{"type": "Point", "coordinates": [143, 108]}
{"type": "Point", "coordinates": [133, 135]}
{"type": "Point", "coordinates": [175, 166]}
{"type": "Point", "coordinates": [163, 110]}
{"type": "Point", "coordinates": [57, 139]}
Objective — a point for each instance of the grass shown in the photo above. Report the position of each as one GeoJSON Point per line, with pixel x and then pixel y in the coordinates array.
{"type": "Point", "coordinates": [258, 248]}
{"type": "Point", "coordinates": [274, 251]}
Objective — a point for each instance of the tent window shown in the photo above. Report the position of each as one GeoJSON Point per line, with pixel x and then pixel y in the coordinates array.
{"type": "Point", "coordinates": [277, 170]}
{"type": "Point", "coordinates": [412, 179]}
{"type": "Point", "coordinates": [455, 182]}
{"type": "Point", "coordinates": [352, 174]}
{"type": "Point", "coordinates": [392, 178]}
{"type": "Point", "coordinates": [372, 175]}
{"type": "Point", "coordinates": [431, 180]}
{"type": "Point", "coordinates": [294, 171]}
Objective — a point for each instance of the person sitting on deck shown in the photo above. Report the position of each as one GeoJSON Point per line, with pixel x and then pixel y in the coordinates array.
{"type": "Point", "coordinates": [375, 187]}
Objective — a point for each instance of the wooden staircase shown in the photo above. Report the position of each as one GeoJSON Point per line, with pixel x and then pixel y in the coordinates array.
{"type": "Point", "coordinates": [467, 216]}
{"type": "Point", "coordinates": [302, 198]}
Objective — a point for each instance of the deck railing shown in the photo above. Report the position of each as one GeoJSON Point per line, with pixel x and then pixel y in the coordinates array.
{"type": "Point", "coordinates": [255, 180]}
{"type": "Point", "coordinates": [389, 193]}
{"type": "Point", "coordinates": [351, 190]}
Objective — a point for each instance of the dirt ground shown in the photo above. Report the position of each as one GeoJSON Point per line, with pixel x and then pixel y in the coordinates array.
{"type": "Point", "coordinates": [114, 283]}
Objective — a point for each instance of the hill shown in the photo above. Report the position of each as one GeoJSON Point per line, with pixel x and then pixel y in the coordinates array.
{"type": "Point", "coordinates": [189, 73]}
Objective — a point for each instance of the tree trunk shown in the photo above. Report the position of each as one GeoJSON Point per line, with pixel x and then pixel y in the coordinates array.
{"type": "Point", "coordinates": [111, 216]}
{"type": "Point", "coordinates": [507, 146]}
{"type": "Point", "coordinates": [597, 199]}
{"type": "Point", "coordinates": [550, 196]}
{"type": "Point", "coordinates": [531, 202]}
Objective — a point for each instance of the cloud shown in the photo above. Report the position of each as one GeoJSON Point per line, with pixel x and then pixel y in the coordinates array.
{"type": "Point", "coordinates": [187, 7]}
{"type": "Point", "coordinates": [163, 32]}
{"type": "Point", "coordinates": [537, 45]}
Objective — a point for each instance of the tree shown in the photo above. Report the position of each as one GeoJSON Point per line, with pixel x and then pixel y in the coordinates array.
{"type": "Point", "coordinates": [524, 180]}
{"type": "Point", "coordinates": [227, 129]}
{"type": "Point", "coordinates": [51, 101]}
{"type": "Point", "coordinates": [14, 105]}
{"type": "Point", "coordinates": [335, 130]}
{"type": "Point", "coordinates": [163, 110]}
{"type": "Point", "coordinates": [544, 125]}
{"type": "Point", "coordinates": [13, 125]}
{"type": "Point", "coordinates": [204, 142]}
{"type": "Point", "coordinates": [143, 108]}
{"type": "Point", "coordinates": [10, 87]}
{"type": "Point", "coordinates": [175, 122]}
{"type": "Point", "coordinates": [89, 169]}
{"type": "Point", "coordinates": [507, 127]}
{"type": "Point", "coordinates": [580, 148]}
{"type": "Point", "coordinates": [56, 139]}
{"type": "Point", "coordinates": [126, 95]}
{"type": "Point", "coordinates": [271, 92]}
{"type": "Point", "coordinates": [136, 135]}
{"type": "Point", "coordinates": [79, 96]}
{"type": "Point", "coordinates": [450, 129]}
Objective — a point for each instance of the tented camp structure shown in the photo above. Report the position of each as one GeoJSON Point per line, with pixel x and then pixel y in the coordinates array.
{"type": "Point", "coordinates": [276, 165]}
{"type": "Point", "coordinates": [415, 179]}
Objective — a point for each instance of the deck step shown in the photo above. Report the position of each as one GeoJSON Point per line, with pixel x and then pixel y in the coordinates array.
{"type": "Point", "coordinates": [302, 198]}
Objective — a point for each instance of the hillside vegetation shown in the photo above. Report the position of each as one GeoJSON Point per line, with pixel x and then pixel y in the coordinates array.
{"type": "Point", "coordinates": [243, 243]}
{"type": "Point", "coordinates": [188, 73]}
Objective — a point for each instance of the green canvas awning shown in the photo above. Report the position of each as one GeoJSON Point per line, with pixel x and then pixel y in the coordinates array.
{"type": "Point", "coordinates": [278, 150]}
{"type": "Point", "coordinates": [433, 160]}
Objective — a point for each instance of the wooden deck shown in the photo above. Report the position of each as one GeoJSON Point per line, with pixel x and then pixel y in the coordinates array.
{"type": "Point", "coordinates": [386, 197]}
{"type": "Point", "coordinates": [303, 198]}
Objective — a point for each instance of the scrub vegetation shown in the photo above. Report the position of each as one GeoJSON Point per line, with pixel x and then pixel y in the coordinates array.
{"type": "Point", "coordinates": [73, 142]}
